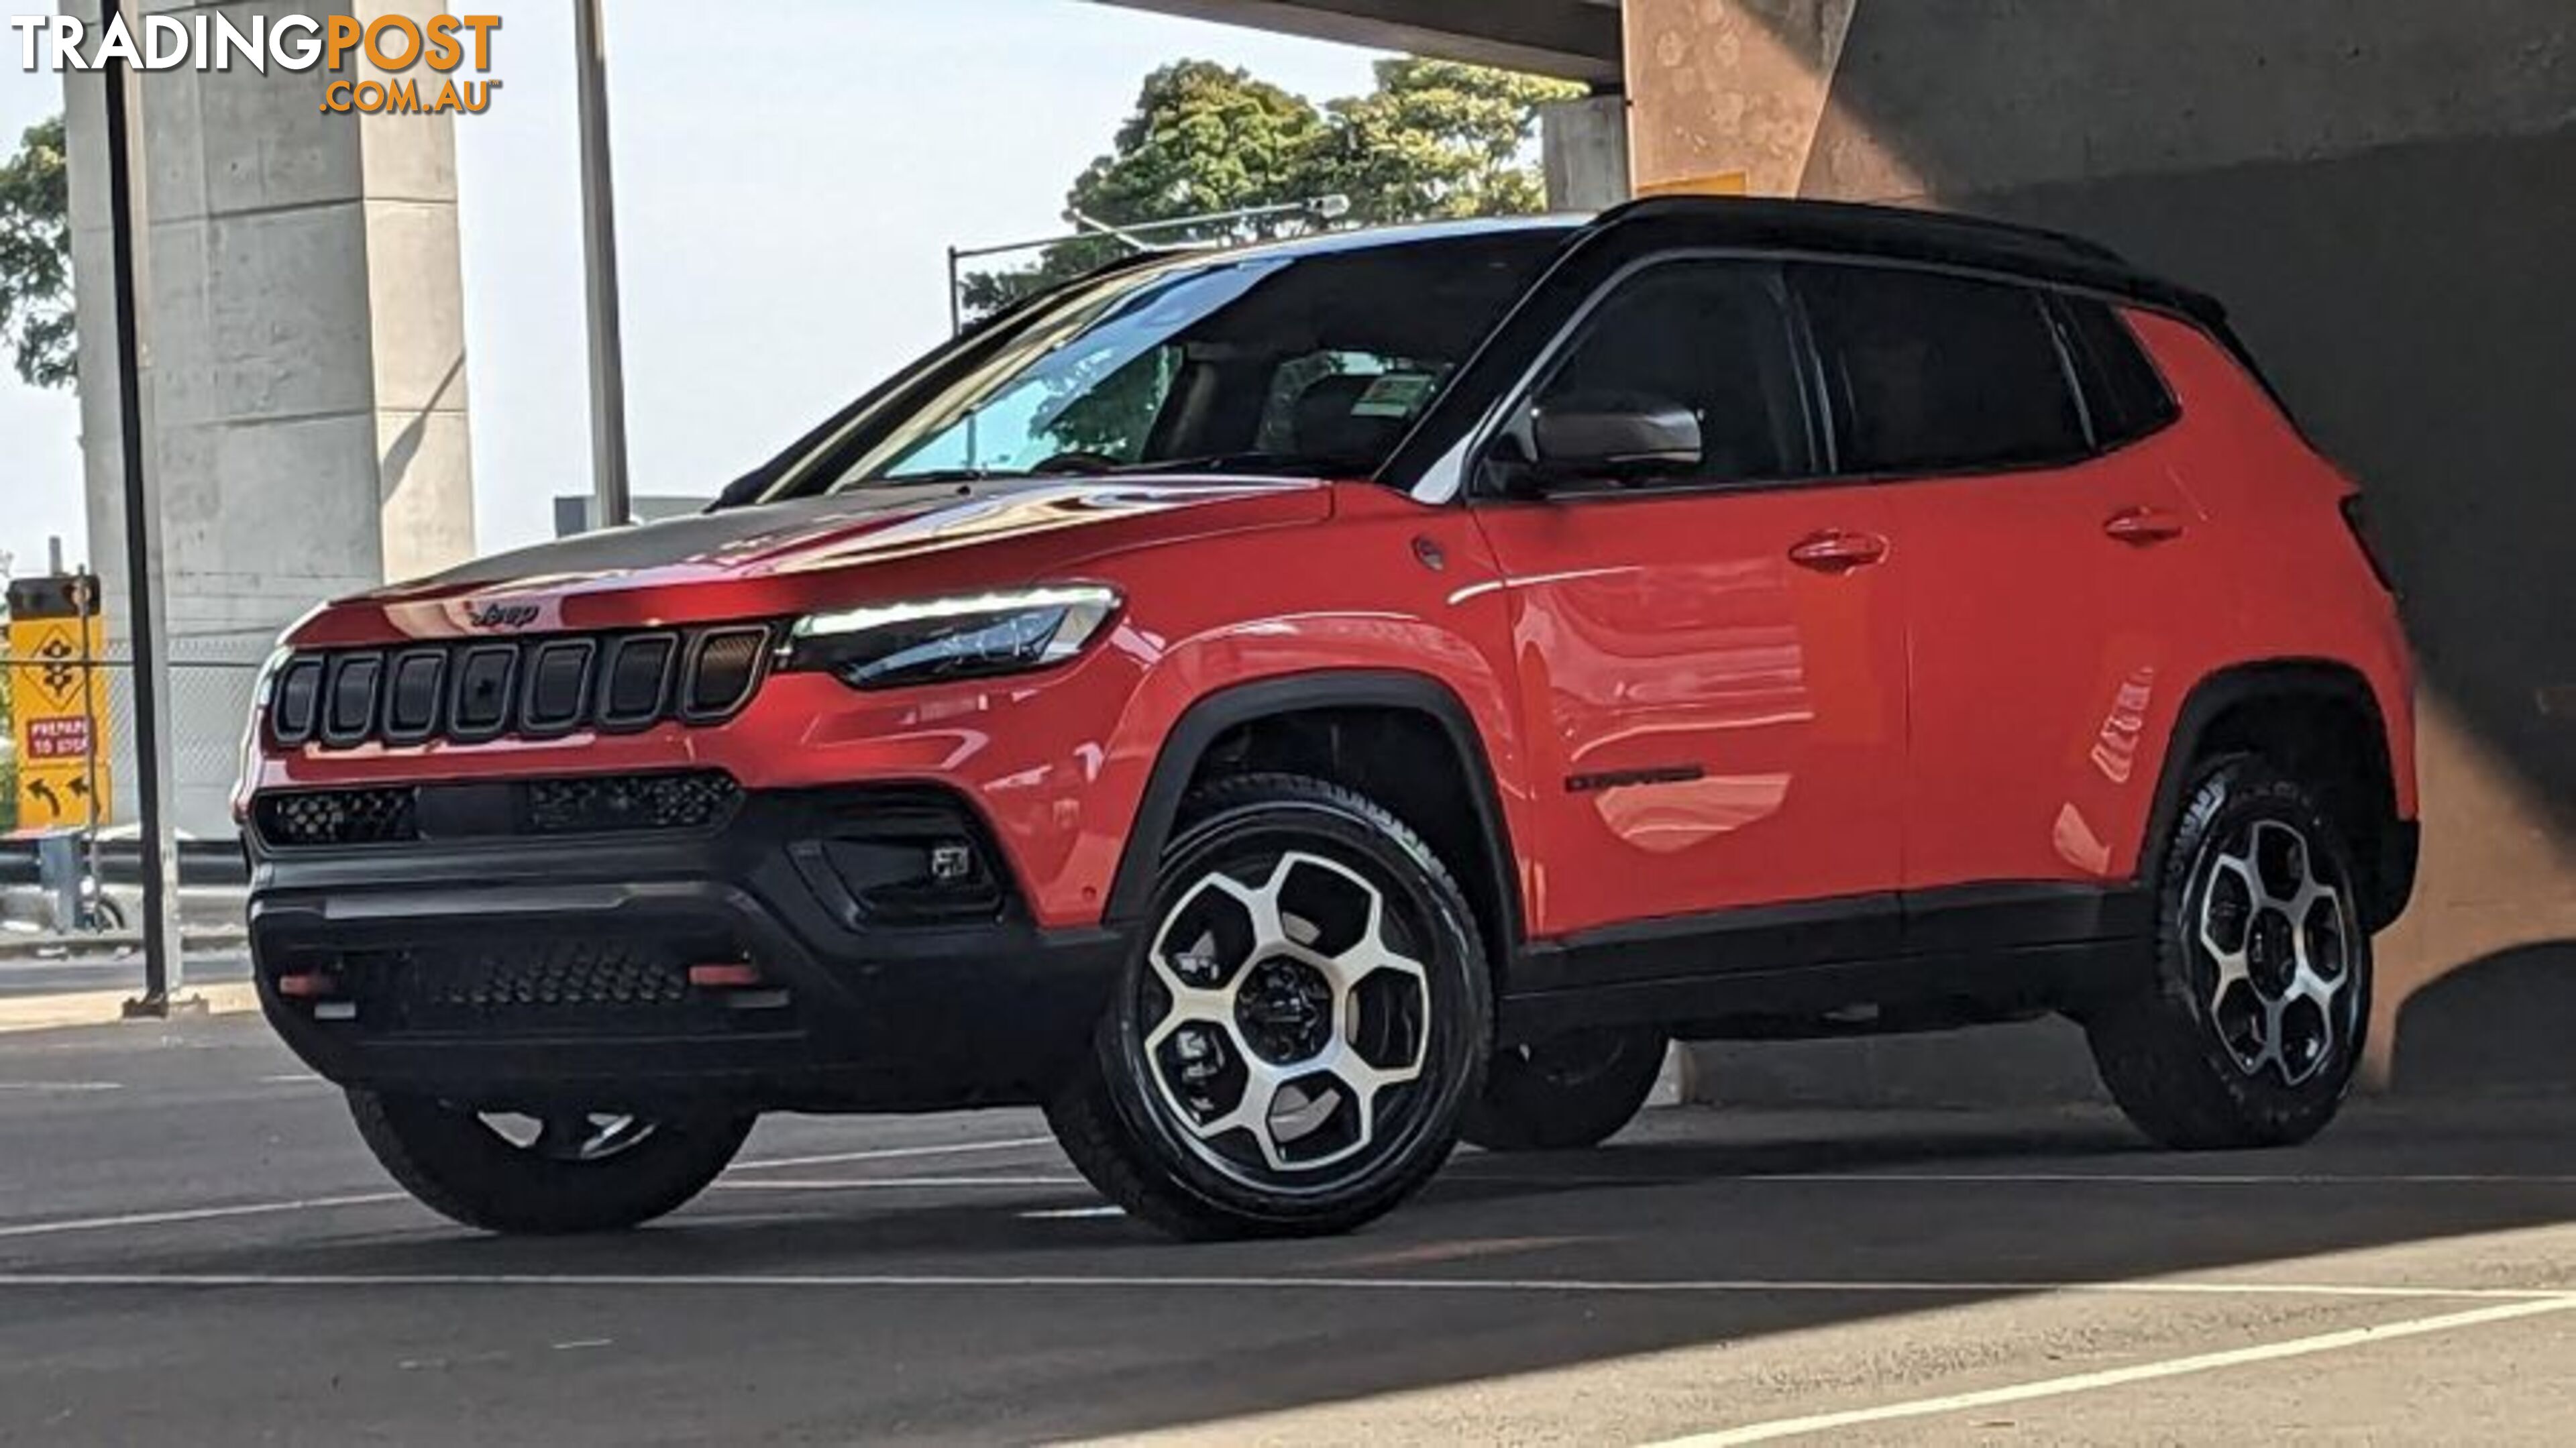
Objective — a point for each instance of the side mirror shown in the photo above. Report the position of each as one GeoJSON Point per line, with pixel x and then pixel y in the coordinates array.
{"type": "Point", "coordinates": [1613, 437]}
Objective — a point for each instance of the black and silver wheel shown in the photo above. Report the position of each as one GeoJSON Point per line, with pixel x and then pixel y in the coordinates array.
{"type": "Point", "coordinates": [1566, 1092]}
{"type": "Point", "coordinates": [551, 1172]}
{"type": "Point", "coordinates": [2254, 1026]}
{"type": "Point", "coordinates": [1304, 1023]}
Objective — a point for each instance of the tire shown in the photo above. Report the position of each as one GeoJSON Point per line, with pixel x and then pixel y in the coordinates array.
{"type": "Point", "coordinates": [1567, 1092]}
{"type": "Point", "coordinates": [574, 1176]}
{"type": "Point", "coordinates": [1292, 1082]}
{"type": "Point", "coordinates": [2249, 1034]}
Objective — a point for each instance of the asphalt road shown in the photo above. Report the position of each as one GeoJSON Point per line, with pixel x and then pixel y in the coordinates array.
{"type": "Point", "coordinates": [194, 1248]}
{"type": "Point", "coordinates": [36, 975]}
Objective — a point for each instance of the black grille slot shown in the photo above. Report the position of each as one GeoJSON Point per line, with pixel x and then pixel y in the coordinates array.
{"type": "Point", "coordinates": [296, 710]}
{"type": "Point", "coordinates": [722, 671]}
{"type": "Point", "coordinates": [558, 687]}
{"type": "Point", "coordinates": [350, 714]}
{"type": "Point", "coordinates": [481, 708]}
{"type": "Point", "coordinates": [542, 687]}
{"type": "Point", "coordinates": [636, 680]}
{"type": "Point", "coordinates": [412, 695]}
{"type": "Point", "coordinates": [538, 984]}
{"type": "Point", "coordinates": [340, 817]}
{"type": "Point", "coordinates": [401, 814]}
{"type": "Point", "coordinates": [611, 802]}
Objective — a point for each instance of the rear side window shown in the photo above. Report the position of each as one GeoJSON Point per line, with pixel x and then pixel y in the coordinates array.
{"type": "Point", "coordinates": [1932, 373]}
{"type": "Point", "coordinates": [2122, 388]}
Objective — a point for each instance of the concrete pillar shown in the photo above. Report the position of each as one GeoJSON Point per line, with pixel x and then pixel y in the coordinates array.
{"type": "Point", "coordinates": [305, 365]}
{"type": "Point", "coordinates": [2377, 189]}
{"type": "Point", "coordinates": [1583, 150]}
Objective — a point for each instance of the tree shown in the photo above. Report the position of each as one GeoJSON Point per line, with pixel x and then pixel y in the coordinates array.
{"type": "Point", "coordinates": [1438, 139]}
{"type": "Point", "coordinates": [1433, 139]}
{"type": "Point", "coordinates": [36, 257]}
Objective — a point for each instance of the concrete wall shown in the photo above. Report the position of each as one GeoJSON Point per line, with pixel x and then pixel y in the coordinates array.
{"type": "Point", "coordinates": [1583, 152]}
{"type": "Point", "coordinates": [2378, 189]}
{"type": "Point", "coordinates": [305, 366]}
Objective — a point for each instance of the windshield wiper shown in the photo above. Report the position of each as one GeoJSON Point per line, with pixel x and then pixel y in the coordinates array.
{"type": "Point", "coordinates": [1241, 462]}
{"type": "Point", "coordinates": [940, 475]}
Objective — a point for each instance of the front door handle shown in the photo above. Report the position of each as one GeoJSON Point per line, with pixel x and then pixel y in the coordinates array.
{"type": "Point", "coordinates": [2141, 526]}
{"type": "Point", "coordinates": [1837, 551]}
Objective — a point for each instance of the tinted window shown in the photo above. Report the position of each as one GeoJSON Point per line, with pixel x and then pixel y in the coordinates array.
{"type": "Point", "coordinates": [1287, 360]}
{"type": "Point", "coordinates": [1712, 337]}
{"type": "Point", "coordinates": [2122, 388]}
{"type": "Point", "coordinates": [1934, 373]}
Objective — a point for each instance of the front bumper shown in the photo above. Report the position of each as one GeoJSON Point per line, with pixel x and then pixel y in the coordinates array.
{"type": "Point", "coordinates": [511, 971]}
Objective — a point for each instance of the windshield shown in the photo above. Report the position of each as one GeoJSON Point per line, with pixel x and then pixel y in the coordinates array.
{"type": "Point", "coordinates": [1305, 361]}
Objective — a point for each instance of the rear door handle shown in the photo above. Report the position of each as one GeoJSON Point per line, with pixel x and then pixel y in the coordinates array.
{"type": "Point", "coordinates": [2142, 525]}
{"type": "Point", "coordinates": [1837, 551]}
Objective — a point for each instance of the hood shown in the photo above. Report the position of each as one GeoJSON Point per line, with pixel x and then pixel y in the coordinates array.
{"type": "Point", "coordinates": [865, 545]}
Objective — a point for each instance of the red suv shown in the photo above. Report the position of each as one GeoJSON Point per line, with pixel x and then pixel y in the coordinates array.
{"type": "Point", "coordinates": [1285, 709]}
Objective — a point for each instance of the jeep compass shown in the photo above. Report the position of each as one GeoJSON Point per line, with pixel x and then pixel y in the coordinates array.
{"type": "Point", "coordinates": [1285, 710]}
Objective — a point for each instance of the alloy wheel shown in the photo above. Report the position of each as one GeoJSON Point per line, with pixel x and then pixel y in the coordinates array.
{"type": "Point", "coordinates": [2275, 940]}
{"type": "Point", "coordinates": [1286, 1019]}
{"type": "Point", "coordinates": [569, 1135]}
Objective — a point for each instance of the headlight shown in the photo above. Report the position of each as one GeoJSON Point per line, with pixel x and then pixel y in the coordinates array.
{"type": "Point", "coordinates": [938, 639]}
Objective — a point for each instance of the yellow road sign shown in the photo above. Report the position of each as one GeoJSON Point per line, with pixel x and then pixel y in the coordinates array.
{"type": "Point", "coordinates": [57, 703]}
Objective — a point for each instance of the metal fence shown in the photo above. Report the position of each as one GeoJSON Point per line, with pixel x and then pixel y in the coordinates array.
{"type": "Point", "coordinates": [211, 683]}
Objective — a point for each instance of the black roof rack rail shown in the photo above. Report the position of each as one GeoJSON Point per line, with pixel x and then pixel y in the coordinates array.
{"type": "Point", "coordinates": [1937, 238]}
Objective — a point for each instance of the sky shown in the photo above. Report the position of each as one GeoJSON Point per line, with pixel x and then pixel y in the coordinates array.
{"type": "Point", "coordinates": [786, 193]}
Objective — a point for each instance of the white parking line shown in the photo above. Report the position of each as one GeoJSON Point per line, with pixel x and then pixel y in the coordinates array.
{"type": "Point", "coordinates": [2022, 1178]}
{"type": "Point", "coordinates": [196, 1214]}
{"type": "Point", "coordinates": [846, 1184]}
{"type": "Point", "coordinates": [1110, 1282]}
{"type": "Point", "coordinates": [370, 1199]}
{"type": "Point", "coordinates": [2116, 1377]}
{"type": "Point", "coordinates": [893, 1153]}
{"type": "Point", "coordinates": [61, 1086]}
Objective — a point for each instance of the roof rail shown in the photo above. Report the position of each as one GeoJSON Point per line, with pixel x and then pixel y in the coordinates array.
{"type": "Point", "coordinates": [1860, 218]}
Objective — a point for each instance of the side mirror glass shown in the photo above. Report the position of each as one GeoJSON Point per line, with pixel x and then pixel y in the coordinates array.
{"type": "Point", "coordinates": [1613, 437]}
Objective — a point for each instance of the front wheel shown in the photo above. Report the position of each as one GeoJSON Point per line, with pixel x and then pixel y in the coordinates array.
{"type": "Point", "coordinates": [561, 1171]}
{"type": "Point", "coordinates": [2250, 1031]}
{"type": "Point", "coordinates": [1299, 1030]}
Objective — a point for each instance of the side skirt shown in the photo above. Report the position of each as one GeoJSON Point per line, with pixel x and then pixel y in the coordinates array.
{"type": "Point", "coordinates": [1871, 964]}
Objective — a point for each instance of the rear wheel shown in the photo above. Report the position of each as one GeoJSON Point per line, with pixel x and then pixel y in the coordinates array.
{"type": "Point", "coordinates": [560, 1171]}
{"type": "Point", "coordinates": [1300, 1029]}
{"type": "Point", "coordinates": [1566, 1092]}
{"type": "Point", "coordinates": [2251, 1030]}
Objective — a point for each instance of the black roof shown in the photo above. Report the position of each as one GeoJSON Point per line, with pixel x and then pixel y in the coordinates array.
{"type": "Point", "coordinates": [1934, 238]}
{"type": "Point", "coordinates": [1833, 228]}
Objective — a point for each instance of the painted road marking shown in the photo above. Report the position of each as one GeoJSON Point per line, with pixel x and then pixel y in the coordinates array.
{"type": "Point", "coordinates": [61, 1086]}
{"type": "Point", "coordinates": [197, 1214]}
{"type": "Point", "coordinates": [2562, 1297]}
{"type": "Point", "coordinates": [892, 1153]}
{"type": "Point", "coordinates": [2060, 1387]}
{"type": "Point", "coordinates": [369, 1199]}
{"type": "Point", "coordinates": [1945, 1179]}
{"type": "Point", "coordinates": [844, 1184]}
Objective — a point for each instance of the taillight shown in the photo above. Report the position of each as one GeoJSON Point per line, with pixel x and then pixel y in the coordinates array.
{"type": "Point", "coordinates": [2356, 517]}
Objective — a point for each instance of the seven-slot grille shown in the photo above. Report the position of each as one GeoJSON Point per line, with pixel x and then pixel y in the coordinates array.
{"type": "Point", "coordinates": [540, 687]}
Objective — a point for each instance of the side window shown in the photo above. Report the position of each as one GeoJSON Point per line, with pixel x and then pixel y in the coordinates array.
{"type": "Point", "coordinates": [2122, 388]}
{"type": "Point", "coordinates": [1711, 338]}
{"type": "Point", "coordinates": [1932, 373]}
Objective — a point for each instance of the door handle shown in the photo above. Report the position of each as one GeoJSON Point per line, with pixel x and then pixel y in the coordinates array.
{"type": "Point", "coordinates": [2141, 526]}
{"type": "Point", "coordinates": [1837, 551]}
